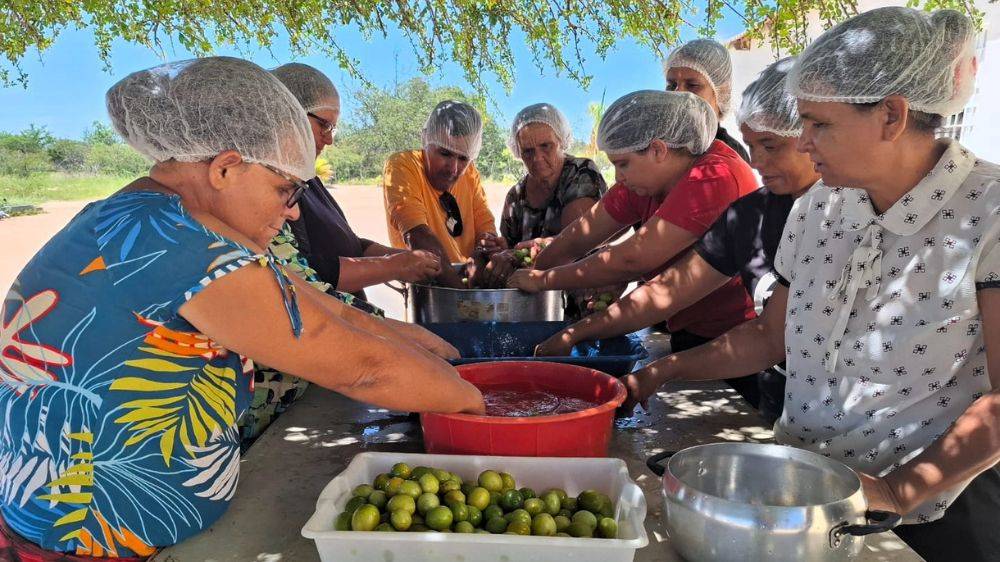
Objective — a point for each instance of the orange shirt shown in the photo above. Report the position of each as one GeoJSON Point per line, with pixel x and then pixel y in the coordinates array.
{"type": "Point", "coordinates": [411, 201]}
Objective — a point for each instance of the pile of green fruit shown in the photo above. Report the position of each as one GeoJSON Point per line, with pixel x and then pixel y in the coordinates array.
{"type": "Point", "coordinates": [601, 302]}
{"type": "Point", "coordinates": [523, 257]}
{"type": "Point", "coordinates": [426, 499]}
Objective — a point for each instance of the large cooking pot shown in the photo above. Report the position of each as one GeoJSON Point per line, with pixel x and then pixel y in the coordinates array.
{"type": "Point", "coordinates": [426, 304]}
{"type": "Point", "coordinates": [747, 501]}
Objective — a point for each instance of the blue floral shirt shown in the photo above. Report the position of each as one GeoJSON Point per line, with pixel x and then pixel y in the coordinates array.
{"type": "Point", "coordinates": [117, 417]}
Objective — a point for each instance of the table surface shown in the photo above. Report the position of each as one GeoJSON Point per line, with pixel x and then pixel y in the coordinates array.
{"type": "Point", "coordinates": [284, 472]}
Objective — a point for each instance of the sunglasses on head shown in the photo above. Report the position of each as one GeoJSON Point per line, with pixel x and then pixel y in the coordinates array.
{"type": "Point", "coordinates": [453, 220]}
{"type": "Point", "coordinates": [300, 186]}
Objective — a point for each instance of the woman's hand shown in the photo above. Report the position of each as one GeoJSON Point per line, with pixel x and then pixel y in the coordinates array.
{"type": "Point", "coordinates": [879, 494]}
{"type": "Point", "coordinates": [499, 268]}
{"type": "Point", "coordinates": [415, 266]}
{"type": "Point", "coordinates": [643, 383]}
{"type": "Point", "coordinates": [490, 243]}
{"type": "Point", "coordinates": [528, 280]}
{"type": "Point", "coordinates": [558, 345]}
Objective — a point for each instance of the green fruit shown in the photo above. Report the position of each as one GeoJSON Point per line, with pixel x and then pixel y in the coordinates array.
{"type": "Point", "coordinates": [427, 502]}
{"type": "Point", "coordinates": [508, 481]}
{"type": "Point", "coordinates": [354, 503]}
{"type": "Point", "coordinates": [591, 500]}
{"type": "Point", "coordinates": [385, 528]}
{"type": "Point", "coordinates": [482, 532]}
{"type": "Point", "coordinates": [519, 515]}
{"type": "Point", "coordinates": [459, 512]}
{"type": "Point", "coordinates": [378, 498]}
{"type": "Point", "coordinates": [543, 525]}
{"type": "Point", "coordinates": [607, 508]}
{"type": "Point", "coordinates": [393, 485]}
{"type": "Point", "coordinates": [496, 525]}
{"type": "Point", "coordinates": [565, 513]}
{"type": "Point", "coordinates": [450, 486]}
{"type": "Point", "coordinates": [492, 511]}
{"type": "Point", "coordinates": [401, 520]}
{"type": "Point", "coordinates": [491, 480]}
{"type": "Point", "coordinates": [570, 504]}
{"type": "Point", "coordinates": [561, 522]}
{"type": "Point", "coordinates": [401, 470]}
{"type": "Point", "coordinates": [416, 473]}
{"type": "Point", "coordinates": [402, 503]}
{"type": "Point", "coordinates": [552, 503]}
{"type": "Point", "coordinates": [534, 506]}
{"type": "Point", "coordinates": [439, 518]}
{"type": "Point", "coordinates": [478, 497]}
{"type": "Point", "coordinates": [495, 498]}
{"type": "Point", "coordinates": [343, 522]}
{"type": "Point", "coordinates": [363, 491]}
{"type": "Point", "coordinates": [467, 488]}
{"type": "Point", "coordinates": [415, 528]}
{"type": "Point", "coordinates": [607, 528]}
{"type": "Point", "coordinates": [381, 480]}
{"type": "Point", "coordinates": [429, 483]}
{"type": "Point", "coordinates": [527, 493]}
{"type": "Point", "coordinates": [475, 516]}
{"type": "Point", "coordinates": [410, 488]}
{"type": "Point", "coordinates": [442, 475]}
{"type": "Point", "coordinates": [557, 491]}
{"type": "Point", "coordinates": [454, 497]}
{"type": "Point", "coordinates": [564, 535]}
{"type": "Point", "coordinates": [511, 500]}
{"type": "Point", "coordinates": [587, 518]}
{"type": "Point", "coordinates": [607, 297]}
{"type": "Point", "coordinates": [579, 529]}
{"type": "Point", "coordinates": [418, 519]}
{"type": "Point", "coordinates": [519, 528]}
{"type": "Point", "coordinates": [600, 305]}
{"type": "Point", "coordinates": [366, 518]}
{"type": "Point", "coordinates": [464, 527]}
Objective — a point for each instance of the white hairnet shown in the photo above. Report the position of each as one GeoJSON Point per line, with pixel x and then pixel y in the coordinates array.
{"type": "Point", "coordinates": [711, 60]}
{"type": "Point", "coordinates": [193, 110]}
{"type": "Point", "coordinates": [926, 58]}
{"type": "Point", "coordinates": [540, 113]}
{"type": "Point", "coordinates": [680, 119]}
{"type": "Point", "coordinates": [455, 126]}
{"type": "Point", "coordinates": [767, 106]}
{"type": "Point", "coordinates": [310, 86]}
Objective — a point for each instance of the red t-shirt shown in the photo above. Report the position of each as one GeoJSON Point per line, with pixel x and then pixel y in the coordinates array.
{"type": "Point", "coordinates": [718, 178]}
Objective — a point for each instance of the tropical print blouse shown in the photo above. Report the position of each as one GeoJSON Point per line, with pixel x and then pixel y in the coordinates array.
{"type": "Point", "coordinates": [117, 417]}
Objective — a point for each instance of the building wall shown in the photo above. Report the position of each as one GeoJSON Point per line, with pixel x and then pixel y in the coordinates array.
{"type": "Point", "coordinates": [980, 123]}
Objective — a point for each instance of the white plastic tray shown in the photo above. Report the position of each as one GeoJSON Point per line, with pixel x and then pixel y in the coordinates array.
{"type": "Point", "coordinates": [571, 474]}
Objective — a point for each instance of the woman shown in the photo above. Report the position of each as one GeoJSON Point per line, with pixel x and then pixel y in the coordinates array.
{"type": "Point", "coordinates": [888, 312]}
{"type": "Point", "coordinates": [126, 338]}
{"type": "Point", "coordinates": [341, 258]}
{"type": "Point", "coordinates": [675, 180]}
{"type": "Point", "coordinates": [704, 68]}
{"type": "Point", "coordinates": [557, 189]}
{"type": "Point", "coordinates": [742, 242]}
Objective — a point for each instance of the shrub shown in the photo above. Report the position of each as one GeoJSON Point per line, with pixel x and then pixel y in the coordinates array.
{"type": "Point", "coordinates": [17, 163]}
{"type": "Point", "coordinates": [117, 159]}
{"type": "Point", "coordinates": [69, 155]}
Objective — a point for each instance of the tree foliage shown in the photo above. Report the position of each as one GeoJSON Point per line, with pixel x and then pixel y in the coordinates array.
{"type": "Point", "coordinates": [476, 34]}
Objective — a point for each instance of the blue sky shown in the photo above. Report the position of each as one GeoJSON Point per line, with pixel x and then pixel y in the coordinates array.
{"type": "Point", "coordinates": [67, 82]}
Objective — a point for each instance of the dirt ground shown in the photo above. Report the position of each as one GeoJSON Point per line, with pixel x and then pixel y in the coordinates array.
{"type": "Point", "coordinates": [22, 237]}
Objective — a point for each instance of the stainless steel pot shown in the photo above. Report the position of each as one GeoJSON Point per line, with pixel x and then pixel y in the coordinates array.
{"type": "Point", "coordinates": [426, 304]}
{"type": "Point", "coordinates": [747, 501]}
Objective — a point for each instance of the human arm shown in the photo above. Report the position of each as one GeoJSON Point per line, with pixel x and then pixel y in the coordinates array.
{"type": "Point", "coordinates": [574, 210]}
{"type": "Point", "coordinates": [680, 286]}
{"type": "Point", "coordinates": [242, 312]}
{"type": "Point", "coordinates": [584, 234]}
{"type": "Point", "coordinates": [748, 348]}
{"type": "Point", "coordinates": [373, 249]}
{"type": "Point", "coordinates": [421, 238]}
{"type": "Point", "coordinates": [402, 265]}
{"type": "Point", "coordinates": [969, 447]}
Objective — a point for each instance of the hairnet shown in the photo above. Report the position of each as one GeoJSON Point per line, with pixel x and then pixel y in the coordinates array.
{"type": "Point", "coordinates": [193, 110]}
{"type": "Point", "coordinates": [680, 119]}
{"type": "Point", "coordinates": [540, 113]}
{"type": "Point", "coordinates": [311, 87]}
{"type": "Point", "coordinates": [711, 60]}
{"type": "Point", "coordinates": [767, 106]}
{"type": "Point", "coordinates": [455, 126]}
{"type": "Point", "coordinates": [926, 58]}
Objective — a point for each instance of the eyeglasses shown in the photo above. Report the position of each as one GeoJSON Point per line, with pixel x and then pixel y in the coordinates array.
{"type": "Point", "coordinates": [300, 186]}
{"type": "Point", "coordinates": [325, 127]}
{"type": "Point", "coordinates": [454, 214]}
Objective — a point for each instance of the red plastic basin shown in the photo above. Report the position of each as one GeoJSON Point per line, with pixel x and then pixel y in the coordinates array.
{"type": "Point", "coordinates": [578, 434]}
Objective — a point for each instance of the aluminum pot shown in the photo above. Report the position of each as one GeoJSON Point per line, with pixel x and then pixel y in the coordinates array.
{"type": "Point", "coordinates": [747, 501]}
{"type": "Point", "coordinates": [426, 304]}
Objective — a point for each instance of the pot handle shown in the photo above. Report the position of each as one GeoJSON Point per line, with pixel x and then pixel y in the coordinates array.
{"type": "Point", "coordinates": [879, 522]}
{"type": "Point", "coordinates": [401, 289]}
{"type": "Point", "coordinates": [654, 461]}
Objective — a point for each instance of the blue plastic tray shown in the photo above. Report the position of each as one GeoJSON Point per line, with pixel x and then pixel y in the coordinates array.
{"type": "Point", "coordinates": [515, 341]}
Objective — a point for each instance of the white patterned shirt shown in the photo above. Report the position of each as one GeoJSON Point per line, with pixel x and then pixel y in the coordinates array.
{"type": "Point", "coordinates": [883, 336]}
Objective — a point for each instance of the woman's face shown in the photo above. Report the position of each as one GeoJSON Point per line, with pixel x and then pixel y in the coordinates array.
{"type": "Point", "coordinates": [683, 79]}
{"type": "Point", "coordinates": [321, 121]}
{"type": "Point", "coordinates": [843, 142]}
{"type": "Point", "coordinates": [541, 152]}
{"type": "Point", "coordinates": [651, 172]}
{"type": "Point", "coordinates": [783, 169]}
{"type": "Point", "coordinates": [250, 198]}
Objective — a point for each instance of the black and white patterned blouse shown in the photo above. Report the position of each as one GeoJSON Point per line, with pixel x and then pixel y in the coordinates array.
{"type": "Point", "coordinates": [883, 336]}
